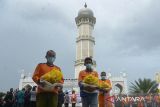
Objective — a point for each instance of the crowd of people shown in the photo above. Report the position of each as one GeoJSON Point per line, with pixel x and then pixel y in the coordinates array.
{"type": "Point", "coordinates": [46, 94]}
{"type": "Point", "coordinates": [27, 98]}
{"type": "Point", "coordinates": [19, 98]}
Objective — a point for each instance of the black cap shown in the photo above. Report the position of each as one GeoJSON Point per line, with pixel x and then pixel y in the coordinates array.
{"type": "Point", "coordinates": [50, 53]}
{"type": "Point", "coordinates": [86, 59]}
{"type": "Point", "coordinates": [103, 73]}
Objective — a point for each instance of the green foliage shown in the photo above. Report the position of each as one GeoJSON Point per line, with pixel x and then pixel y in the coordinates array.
{"type": "Point", "coordinates": [143, 86]}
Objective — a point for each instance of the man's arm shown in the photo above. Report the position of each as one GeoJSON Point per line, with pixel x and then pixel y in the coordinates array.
{"type": "Point", "coordinates": [62, 79]}
{"type": "Point", "coordinates": [36, 75]}
{"type": "Point", "coordinates": [96, 74]}
{"type": "Point", "coordinates": [80, 79]}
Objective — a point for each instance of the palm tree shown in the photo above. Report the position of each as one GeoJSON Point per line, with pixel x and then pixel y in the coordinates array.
{"type": "Point", "coordinates": [143, 86]}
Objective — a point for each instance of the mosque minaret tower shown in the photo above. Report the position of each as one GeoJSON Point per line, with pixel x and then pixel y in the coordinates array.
{"type": "Point", "coordinates": [85, 41]}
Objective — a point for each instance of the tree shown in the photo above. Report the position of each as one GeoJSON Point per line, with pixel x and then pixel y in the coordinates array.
{"type": "Point", "coordinates": [2, 94]}
{"type": "Point", "coordinates": [143, 86]}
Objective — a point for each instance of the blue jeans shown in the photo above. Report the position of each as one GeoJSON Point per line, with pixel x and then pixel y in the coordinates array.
{"type": "Point", "coordinates": [90, 100]}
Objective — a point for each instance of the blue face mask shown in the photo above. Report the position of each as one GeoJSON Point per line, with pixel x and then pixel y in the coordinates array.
{"type": "Point", "coordinates": [51, 59]}
{"type": "Point", "coordinates": [89, 66]}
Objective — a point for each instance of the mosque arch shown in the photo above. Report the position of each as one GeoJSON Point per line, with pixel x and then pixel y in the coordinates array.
{"type": "Point", "coordinates": [27, 86]}
{"type": "Point", "coordinates": [118, 88]}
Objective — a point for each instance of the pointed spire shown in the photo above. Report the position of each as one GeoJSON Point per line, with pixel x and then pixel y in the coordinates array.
{"type": "Point", "coordinates": [85, 5]}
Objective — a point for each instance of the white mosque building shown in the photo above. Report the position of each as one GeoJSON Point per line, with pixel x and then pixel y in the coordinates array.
{"type": "Point", "coordinates": [85, 42]}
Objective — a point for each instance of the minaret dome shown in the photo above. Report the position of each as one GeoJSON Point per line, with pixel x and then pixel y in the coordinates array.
{"type": "Point", "coordinates": [85, 12]}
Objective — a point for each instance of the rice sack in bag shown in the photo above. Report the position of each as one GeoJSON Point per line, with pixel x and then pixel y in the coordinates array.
{"type": "Point", "coordinates": [91, 80]}
{"type": "Point", "coordinates": [104, 85]}
{"type": "Point", "coordinates": [51, 78]}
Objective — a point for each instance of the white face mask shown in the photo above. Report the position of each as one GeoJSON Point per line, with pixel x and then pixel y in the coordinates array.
{"type": "Point", "coordinates": [89, 66]}
{"type": "Point", "coordinates": [103, 77]}
{"type": "Point", "coordinates": [51, 59]}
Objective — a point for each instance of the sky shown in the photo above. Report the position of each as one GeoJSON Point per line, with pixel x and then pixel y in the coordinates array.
{"type": "Point", "coordinates": [126, 32]}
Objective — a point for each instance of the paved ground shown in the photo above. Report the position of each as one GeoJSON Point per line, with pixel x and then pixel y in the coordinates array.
{"type": "Point", "coordinates": [77, 105]}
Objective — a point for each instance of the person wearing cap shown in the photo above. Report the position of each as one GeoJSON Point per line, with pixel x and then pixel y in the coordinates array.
{"type": "Point", "coordinates": [104, 98]}
{"type": "Point", "coordinates": [90, 97]}
{"type": "Point", "coordinates": [46, 98]}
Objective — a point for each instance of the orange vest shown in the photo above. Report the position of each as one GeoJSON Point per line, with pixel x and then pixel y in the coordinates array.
{"type": "Point", "coordinates": [84, 73]}
{"type": "Point", "coordinates": [103, 99]}
{"type": "Point", "coordinates": [42, 69]}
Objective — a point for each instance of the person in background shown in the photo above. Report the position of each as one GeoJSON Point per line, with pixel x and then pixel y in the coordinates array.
{"type": "Point", "coordinates": [20, 98]}
{"type": "Point", "coordinates": [27, 96]}
{"type": "Point", "coordinates": [15, 97]}
{"type": "Point", "coordinates": [148, 100]}
{"type": "Point", "coordinates": [44, 97]}
{"type": "Point", "coordinates": [89, 98]}
{"type": "Point", "coordinates": [73, 99]}
{"type": "Point", "coordinates": [66, 100]}
{"type": "Point", "coordinates": [1, 102]}
{"type": "Point", "coordinates": [33, 97]}
{"type": "Point", "coordinates": [104, 97]}
{"type": "Point", "coordinates": [60, 97]}
{"type": "Point", "coordinates": [9, 98]}
{"type": "Point", "coordinates": [140, 103]}
{"type": "Point", "coordinates": [157, 100]}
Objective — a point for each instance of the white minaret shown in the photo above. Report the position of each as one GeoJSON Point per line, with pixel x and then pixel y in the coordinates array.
{"type": "Point", "coordinates": [85, 42]}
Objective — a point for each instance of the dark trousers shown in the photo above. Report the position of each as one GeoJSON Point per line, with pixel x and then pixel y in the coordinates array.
{"type": "Point", "coordinates": [60, 104]}
{"type": "Point", "coordinates": [33, 104]}
{"type": "Point", "coordinates": [73, 104]}
{"type": "Point", "coordinates": [66, 104]}
{"type": "Point", "coordinates": [8, 104]}
{"type": "Point", "coordinates": [90, 101]}
{"type": "Point", "coordinates": [26, 104]}
{"type": "Point", "coordinates": [20, 105]}
{"type": "Point", "coordinates": [47, 99]}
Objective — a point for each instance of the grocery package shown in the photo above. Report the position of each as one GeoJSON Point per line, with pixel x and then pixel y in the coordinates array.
{"type": "Point", "coordinates": [104, 85]}
{"type": "Point", "coordinates": [54, 76]}
{"type": "Point", "coordinates": [91, 80]}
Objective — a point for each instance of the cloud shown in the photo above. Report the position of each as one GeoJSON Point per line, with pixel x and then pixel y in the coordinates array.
{"type": "Point", "coordinates": [141, 31]}
{"type": "Point", "coordinates": [130, 30]}
{"type": "Point", "coordinates": [27, 32]}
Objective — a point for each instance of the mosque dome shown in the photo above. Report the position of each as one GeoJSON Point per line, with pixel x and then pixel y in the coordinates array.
{"type": "Point", "coordinates": [85, 12]}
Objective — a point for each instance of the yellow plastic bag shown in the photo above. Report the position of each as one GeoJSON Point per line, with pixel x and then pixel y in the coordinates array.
{"type": "Point", "coordinates": [104, 85]}
{"type": "Point", "coordinates": [54, 76]}
{"type": "Point", "coordinates": [91, 80]}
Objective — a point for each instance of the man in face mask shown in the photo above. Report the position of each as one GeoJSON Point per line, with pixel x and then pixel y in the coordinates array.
{"type": "Point", "coordinates": [46, 98]}
{"type": "Point", "coordinates": [88, 63]}
{"type": "Point", "coordinates": [50, 56]}
{"type": "Point", "coordinates": [104, 95]}
{"type": "Point", "coordinates": [103, 75]}
{"type": "Point", "coordinates": [89, 97]}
